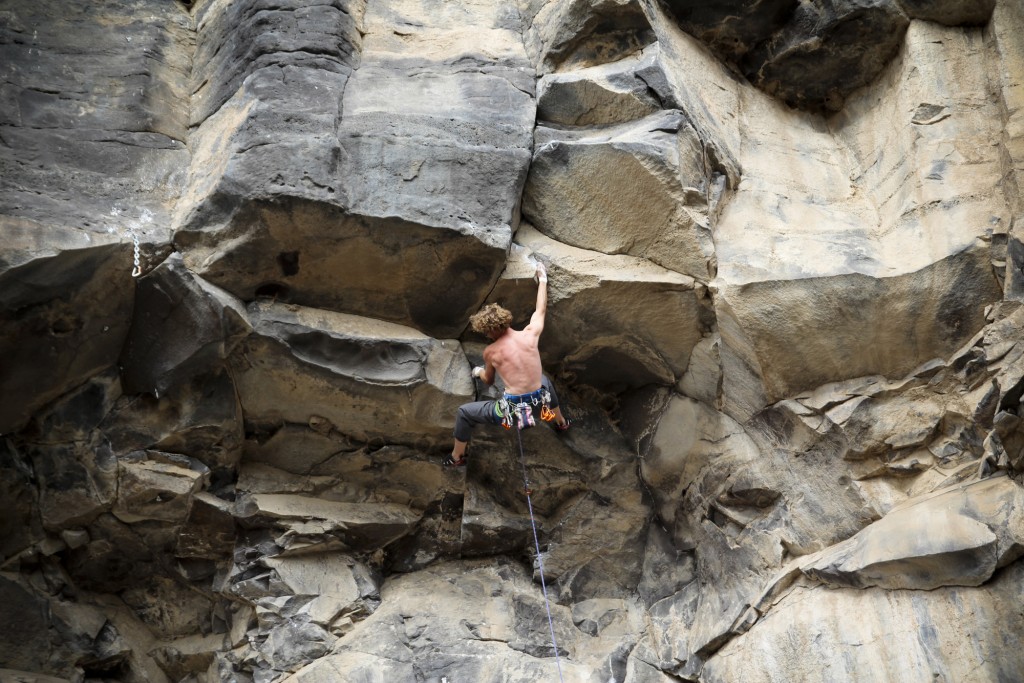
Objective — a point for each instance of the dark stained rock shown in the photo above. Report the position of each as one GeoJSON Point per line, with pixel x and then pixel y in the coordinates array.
{"type": "Point", "coordinates": [63, 318]}
{"type": "Point", "coordinates": [731, 28]}
{"type": "Point", "coordinates": [77, 482]}
{"type": "Point", "coordinates": [119, 556]}
{"type": "Point", "coordinates": [809, 55]}
{"type": "Point", "coordinates": [20, 525]}
{"type": "Point", "coordinates": [950, 12]}
{"type": "Point", "coordinates": [24, 619]}
{"type": "Point", "coordinates": [181, 327]}
{"type": "Point", "coordinates": [200, 418]}
{"type": "Point", "coordinates": [826, 51]}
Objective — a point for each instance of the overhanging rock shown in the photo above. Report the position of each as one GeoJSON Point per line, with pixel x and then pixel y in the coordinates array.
{"type": "Point", "coordinates": [366, 377]}
{"type": "Point", "coordinates": [614, 322]}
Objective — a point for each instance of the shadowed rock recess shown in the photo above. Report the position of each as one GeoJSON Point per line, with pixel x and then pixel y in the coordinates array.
{"type": "Point", "coordinates": [786, 314]}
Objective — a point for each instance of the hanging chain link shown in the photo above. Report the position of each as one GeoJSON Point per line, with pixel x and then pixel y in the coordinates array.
{"type": "Point", "coordinates": [137, 270]}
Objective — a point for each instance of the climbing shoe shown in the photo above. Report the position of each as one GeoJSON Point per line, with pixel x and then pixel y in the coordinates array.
{"type": "Point", "coordinates": [450, 461]}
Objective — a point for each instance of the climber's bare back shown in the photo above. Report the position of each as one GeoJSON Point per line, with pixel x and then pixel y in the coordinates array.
{"type": "Point", "coordinates": [516, 358]}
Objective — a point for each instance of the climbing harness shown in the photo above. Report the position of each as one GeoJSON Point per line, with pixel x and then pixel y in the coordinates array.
{"type": "Point", "coordinates": [529, 504]}
{"type": "Point", "coordinates": [518, 408]}
{"type": "Point", "coordinates": [137, 270]}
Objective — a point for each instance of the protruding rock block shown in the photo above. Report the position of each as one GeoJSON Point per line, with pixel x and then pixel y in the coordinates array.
{"type": "Point", "coordinates": [209, 530]}
{"type": "Point", "coordinates": [627, 90]}
{"type": "Point", "coordinates": [771, 346]}
{"type": "Point", "coordinates": [181, 327]}
{"type": "Point", "coordinates": [845, 44]}
{"type": "Point", "coordinates": [950, 12]}
{"type": "Point", "coordinates": [369, 379]}
{"type": "Point", "coordinates": [158, 489]}
{"type": "Point", "coordinates": [614, 322]}
{"type": "Point", "coordinates": [359, 526]}
{"type": "Point", "coordinates": [358, 265]}
{"type": "Point", "coordinates": [808, 55]}
{"type": "Point", "coordinates": [956, 537]}
{"type": "Point", "coordinates": [731, 29]}
{"type": "Point", "coordinates": [639, 188]}
{"type": "Point", "coordinates": [567, 34]}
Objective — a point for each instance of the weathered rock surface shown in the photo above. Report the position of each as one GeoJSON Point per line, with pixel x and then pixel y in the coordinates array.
{"type": "Point", "coordinates": [784, 316]}
{"type": "Point", "coordinates": [365, 377]}
{"type": "Point", "coordinates": [617, 321]}
{"type": "Point", "coordinates": [444, 174]}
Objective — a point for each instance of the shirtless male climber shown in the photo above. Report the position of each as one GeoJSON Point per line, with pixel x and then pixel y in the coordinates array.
{"type": "Point", "coordinates": [514, 355]}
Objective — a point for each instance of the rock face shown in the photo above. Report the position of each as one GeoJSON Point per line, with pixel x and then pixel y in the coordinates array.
{"type": "Point", "coordinates": [785, 315]}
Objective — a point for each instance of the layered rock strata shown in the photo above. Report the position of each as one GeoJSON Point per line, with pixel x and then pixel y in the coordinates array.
{"type": "Point", "coordinates": [784, 315]}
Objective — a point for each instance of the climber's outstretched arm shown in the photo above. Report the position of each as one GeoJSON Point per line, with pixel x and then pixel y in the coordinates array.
{"type": "Point", "coordinates": [536, 325]}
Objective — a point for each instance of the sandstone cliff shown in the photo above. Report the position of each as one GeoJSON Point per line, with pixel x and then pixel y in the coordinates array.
{"type": "Point", "coordinates": [787, 275]}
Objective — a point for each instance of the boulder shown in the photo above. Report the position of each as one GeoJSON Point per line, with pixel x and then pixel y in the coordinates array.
{"type": "Point", "coordinates": [358, 526]}
{"type": "Point", "coordinates": [155, 490]}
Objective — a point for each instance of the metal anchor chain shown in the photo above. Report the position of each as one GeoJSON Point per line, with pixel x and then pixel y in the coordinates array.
{"type": "Point", "coordinates": [137, 270]}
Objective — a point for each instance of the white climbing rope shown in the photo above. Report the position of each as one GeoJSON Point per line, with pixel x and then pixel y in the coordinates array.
{"type": "Point", "coordinates": [536, 544]}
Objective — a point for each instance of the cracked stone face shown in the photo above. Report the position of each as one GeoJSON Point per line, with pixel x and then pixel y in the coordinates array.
{"type": "Point", "coordinates": [783, 314]}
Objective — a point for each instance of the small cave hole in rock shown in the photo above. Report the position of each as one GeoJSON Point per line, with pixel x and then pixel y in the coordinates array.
{"type": "Point", "coordinates": [289, 263]}
{"type": "Point", "coordinates": [63, 326]}
{"type": "Point", "coordinates": [272, 290]}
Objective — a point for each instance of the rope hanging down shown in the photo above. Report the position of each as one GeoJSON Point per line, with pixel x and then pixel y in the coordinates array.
{"type": "Point", "coordinates": [536, 543]}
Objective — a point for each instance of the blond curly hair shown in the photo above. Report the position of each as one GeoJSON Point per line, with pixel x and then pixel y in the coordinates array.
{"type": "Point", "coordinates": [490, 319]}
